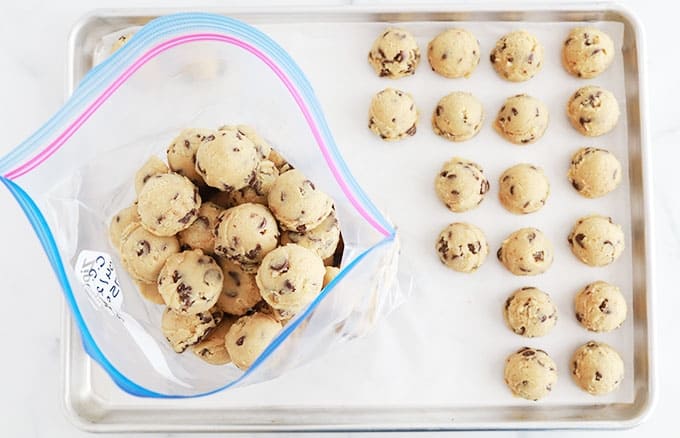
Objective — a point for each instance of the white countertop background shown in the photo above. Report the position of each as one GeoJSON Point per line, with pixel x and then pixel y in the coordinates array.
{"type": "Point", "coordinates": [33, 38]}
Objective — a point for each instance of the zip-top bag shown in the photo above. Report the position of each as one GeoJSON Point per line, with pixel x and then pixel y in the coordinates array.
{"type": "Point", "coordinates": [76, 172]}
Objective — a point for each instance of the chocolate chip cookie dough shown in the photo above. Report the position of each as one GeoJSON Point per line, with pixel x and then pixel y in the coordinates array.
{"type": "Point", "coordinates": [594, 172]}
{"type": "Point", "coordinates": [199, 259]}
{"type": "Point", "coordinates": [458, 116]}
{"type": "Point", "coordinates": [596, 240]}
{"type": "Point", "coordinates": [523, 189]}
{"type": "Point", "coordinates": [593, 111]}
{"type": "Point", "coordinates": [297, 203]}
{"type": "Point", "coordinates": [239, 289]}
{"type": "Point", "coordinates": [290, 277]}
{"type": "Point", "coordinates": [461, 184]}
{"type": "Point", "coordinates": [168, 203]}
{"type": "Point", "coordinates": [597, 368]}
{"type": "Point", "coordinates": [394, 54]}
{"type": "Point", "coordinates": [143, 254]}
{"type": "Point", "coordinates": [249, 336]}
{"type": "Point", "coordinates": [255, 192]}
{"type": "Point", "coordinates": [600, 307]}
{"type": "Point", "coordinates": [261, 145]}
{"type": "Point", "coordinates": [201, 233]}
{"type": "Point", "coordinates": [526, 252]}
{"type": "Point", "coordinates": [462, 247]}
{"type": "Point", "coordinates": [530, 312]}
{"type": "Point", "coordinates": [587, 52]}
{"type": "Point", "coordinates": [393, 115]}
{"type": "Point", "coordinates": [281, 164]}
{"type": "Point", "coordinates": [153, 166]}
{"type": "Point", "coordinates": [181, 153]}
{"type": "Point", "coordinates": [530, 373]}
{"type": "Point", "coordinates": [227, 160]}
{"type": "Point", "coordinates": [245, 234]}
{"type": "Point", "coordinates": [454, 53]}
{"type": "Point", "coordinates": [323, 239]}
{"type": "Point", "coordinates": [212, 349]}
{"type": "Point", "coordinates": [190, 282]}
{"type": "Point", "coordinates": [183, 331]}
{"type": "Point", "coordinates": [522, 119]}
{"type": "Point", "coordinates": [120, 221]}
{"type": "Point", "coordinates": [517, 56]}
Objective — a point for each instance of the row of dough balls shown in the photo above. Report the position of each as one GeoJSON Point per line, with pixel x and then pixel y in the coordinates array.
{"type": "Point", "coordinates": [524, 188]}
{"type": "Point", "coordinates": [516, 57]}
{"type": "Point", "coordinates": [233, 269]}
{"type": "Point", "coordinates": [596, 368]}
{"type": "Point", "coordinates": [598, 307]}
{"type": "Point", "coordinates": [458, 116]}
{"type": "Point", "coordinates": [595, 240]}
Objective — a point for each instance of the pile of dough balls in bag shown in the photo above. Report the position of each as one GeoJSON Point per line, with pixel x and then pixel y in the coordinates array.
{"type": "Point", "coordinates": [230, 238]}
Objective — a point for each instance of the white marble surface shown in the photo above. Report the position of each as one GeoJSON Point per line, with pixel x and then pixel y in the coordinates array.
{"type": "Point", "coordinates": [33, 38]}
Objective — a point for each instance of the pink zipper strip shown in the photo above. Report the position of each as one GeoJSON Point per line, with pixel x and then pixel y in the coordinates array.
{"type": "Point", "coordinates": [55, 145]}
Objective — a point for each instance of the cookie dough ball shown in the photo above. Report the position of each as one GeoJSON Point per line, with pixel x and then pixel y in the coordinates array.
{"type": "Point", "coordinates": [593, 111]}
{"type": "Point", "coordinates": [587, 52]}
{"type": "Point", "coordinates": [201, 233]}
{"type": "Point", "coordinates": [212, 349]}
{"type": "Point", "coordinates": [257, 191]}
{"type": "Point", "coordinates": [331, 273]}
{"type": "Point", "coordinates": [190, 282]}
{"type": "Point", "coordinates": [323, 239]}
{"type": "Point", "coordinates": [522, 119]}
{"type": "Point", "coordinates": [290, 277]}
{"type": "Point", "coordinates": [227, 160]}
{"type": "Point", "coordinates": [168, 204]}
{"type": "Point", "coordinates": [600, 307]}
{"type": "Point", "coordinates": [458, 116]}
{"type": "Point", "coordinates": [120, 221]}
{"type": "Point", "coordinates": [530, 373]}
{"type": "Point", "coordinates": [182, 153]}
{"type": "Point", "coordinates": [394, 54]}
{"type": "Point", "coordinates": [149, 291]}
{"type": "Point", "coordinates": [153, 166]}
{"type": "Point", "coordinates": [239, 290]}
{"type": "Point", "coordinates": [530, 312]}
{"type": "Point", "coordinates": [461, 184]}
{"type": "Point", "coordinates": [183, 331]}
{"type": "Point", "coordinates": [594, 172]}
{"type": "Point", "coordinates": [393, 115]}
{"type": "Point", "coordinates": [462, 247]}
{"type": "Point", "coordinates": [296, 202]}
{"type": "Point", "coordinates": [121, 41]}
{"type": "Point", "coordinates": [518, 56]}
{"type": "Point", "coordinates": [523, 189]}
{"type": "Point", "coordinates": [245, 234]}
{"type": "Point", "coordinates": [249, 336]}
{"type": "Point", "coordinates": [597, 368]}
{"type": "Point", "coordinates": [454, 53]}
{"type": "Point", "coordinates": [263, 148]}
{"type": "Point", "coordinates": [143, 254]}
{"type": "Point", "coordinates": [526, 252]}
{"type": "Point", "coordinates": [596, 240]}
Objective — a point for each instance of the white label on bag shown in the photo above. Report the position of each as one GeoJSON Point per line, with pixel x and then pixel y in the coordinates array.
{"type": "Point", "coordinates": [96, 272]}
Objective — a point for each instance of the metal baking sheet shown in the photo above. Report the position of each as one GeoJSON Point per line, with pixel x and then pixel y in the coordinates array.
{"type": "Point", "coordinates": [437, 362]}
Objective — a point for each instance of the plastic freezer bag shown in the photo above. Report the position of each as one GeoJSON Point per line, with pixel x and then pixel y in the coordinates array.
{"type": "Point", "coordinates": [76, 172]}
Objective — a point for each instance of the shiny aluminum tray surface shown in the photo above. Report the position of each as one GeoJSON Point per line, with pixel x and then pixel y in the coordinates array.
{"type": "Point", "coordinates": [94, 403]}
